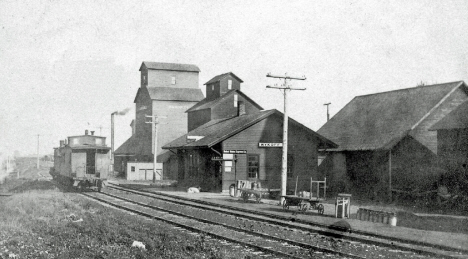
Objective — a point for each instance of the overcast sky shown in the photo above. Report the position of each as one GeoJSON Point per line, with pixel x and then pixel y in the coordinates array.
{"type": "Point", "coordinates": [65, 66]}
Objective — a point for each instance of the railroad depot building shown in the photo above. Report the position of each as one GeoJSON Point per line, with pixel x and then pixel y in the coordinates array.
{"type": "Point", "coordinates": [167, 90]}
{"type": "Point", "coordinates": [227, 125]}
{"type": "Point", "coordinates": [385, 142]}
{"type": "Point", "coordinates": [452, 138]}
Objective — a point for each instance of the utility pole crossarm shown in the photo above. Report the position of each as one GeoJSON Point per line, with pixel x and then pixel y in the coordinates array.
{"type": "Point", "coordinates": [286, 77]}
{"type": "Point", "coordinates": [284, 162]}
{"type": "Point", "coordinates": [281, 87]}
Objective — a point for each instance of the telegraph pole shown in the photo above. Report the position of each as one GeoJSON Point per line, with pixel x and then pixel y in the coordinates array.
{"type": "Point", "coordinates": [38, 151]}
{"type": "Point", "coordinates": [328, 114]}
{"type": "Point", "coordinates": [155, 122]}
{"type": "Point", "coordinates": [286, 87]}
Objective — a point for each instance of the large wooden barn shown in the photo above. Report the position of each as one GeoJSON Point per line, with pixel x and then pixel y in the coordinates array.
{"type": "Point", "coordinates": [452, 138]}
{"type": "Point", "coordinates": [230, 125]}
{"type": "Point", "coordinates": [384, 141]}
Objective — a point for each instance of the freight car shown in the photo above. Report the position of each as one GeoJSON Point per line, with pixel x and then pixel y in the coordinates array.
{"type": "Point", "coordinates": [82, 161]}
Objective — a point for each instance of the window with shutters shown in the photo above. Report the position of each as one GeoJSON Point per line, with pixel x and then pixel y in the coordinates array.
{"type": "Point", "coordinates": [253, 165]}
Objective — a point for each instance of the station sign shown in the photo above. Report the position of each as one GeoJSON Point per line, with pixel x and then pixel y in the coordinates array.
{"type": "Point", "coordinates": [235, 151]}
{"type": "Point", "coordinates": [270, 144]}
{"type": "Point", "coordinates": [218, 158]}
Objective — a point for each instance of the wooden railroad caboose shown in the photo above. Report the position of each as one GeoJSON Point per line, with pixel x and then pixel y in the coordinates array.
{"type": "Point", "coordinates": [82, 162]}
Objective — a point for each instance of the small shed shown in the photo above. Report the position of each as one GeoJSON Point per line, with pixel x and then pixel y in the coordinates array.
{"type": "Point", "coordinates": [144, 171]}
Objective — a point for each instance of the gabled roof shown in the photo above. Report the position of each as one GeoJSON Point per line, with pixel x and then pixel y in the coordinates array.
{"type": "Point", "coordinates": [457, 119]}
{"type": "Point", "coordinates": [205, 104]}
{"type": "Point", "coordinates": [216, 131]}
{"type": "Point", "coordinates": [222, 76]}
{"type": "Point", "coordinates": [172, 94]}
{"type": "Point", "coordinates": [169, 66]}
{"type": "Point", "coordinates": [379, 121]}
{"type": "Point", "coordinates": [132, 146]}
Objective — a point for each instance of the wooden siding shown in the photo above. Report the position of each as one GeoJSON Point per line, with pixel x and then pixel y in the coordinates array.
{"type": "Point", "coordinates": [366, 173]}
{"type": "Point", "coordinates": [333, 167]}
{"type": "Point", "coordinates": [86, 140]}
{"type": "Point", "coordinates": [102, 164]}
{"type": "Point", "coordinates": [223, 84]}
{"type": "Point", "coordinates": [78, 164]}
{"type": "Point", "coordinates": [225, 108]}
{"type": "Point", "coordinates": [300, 145]}
{"type": "Point", "coordinates": [163, 78]}
{"type": "Point", "coordinates": [414, 166]}
{"type": "Point", "coordinates": [173, 125]}
{"type": "Point", "coordinates": [212, 91]}
{"type": "Point", "coordinates": [217, 89]}
{"type": "Point", "coordinates": [452, 148]}
{"type": "Point", "coordinates": [429, 138]}
{"type": "Point", "coordinates": [143, 106]}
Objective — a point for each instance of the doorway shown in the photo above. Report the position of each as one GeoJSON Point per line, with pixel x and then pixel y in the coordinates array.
{"type": "Point", "coordinates": [90, 161]}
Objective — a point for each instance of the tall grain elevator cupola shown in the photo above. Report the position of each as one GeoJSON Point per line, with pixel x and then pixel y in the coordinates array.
{"type": "Point", "coordinates": [221, 84]}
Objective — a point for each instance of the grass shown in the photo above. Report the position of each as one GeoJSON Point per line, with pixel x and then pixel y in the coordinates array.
{"type": "Point", "coordinates": [42, 224]}
{"type": "Point", "coordinates": [41, 221]}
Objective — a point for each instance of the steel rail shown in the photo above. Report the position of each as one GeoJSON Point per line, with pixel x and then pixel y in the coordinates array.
{"type": "Point", "coordinates": [292, 242]}
{"type": "Point", "coordinates": [191, 228]}
{"type": "Point", "coordinates": [363, 237]}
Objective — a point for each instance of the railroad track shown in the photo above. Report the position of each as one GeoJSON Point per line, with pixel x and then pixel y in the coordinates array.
{"type": "Point", "coordinates": [270, 245]}
{"type": "Point", "coordinates": [266, 218]}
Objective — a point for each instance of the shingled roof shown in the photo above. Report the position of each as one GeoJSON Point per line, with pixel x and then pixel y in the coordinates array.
{"type": "Point", "coordinates": [169, 66]}
{"type": "Point", "coordinates": [216, 131]}
{"type": "Point", "coordinates": [219, 77]}
{"type": "Point", "coordinates": [457, 119]}
{"type": "Point", "coordinates": [132, 146]}
{"type": "Point", "coordinates": [379, 121]}
{"type": "Point", "coordinates": [205, 103]}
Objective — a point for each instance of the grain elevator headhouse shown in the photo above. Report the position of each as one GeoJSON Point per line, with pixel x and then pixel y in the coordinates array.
{"type": "Point", "coordinates": [167, 90]}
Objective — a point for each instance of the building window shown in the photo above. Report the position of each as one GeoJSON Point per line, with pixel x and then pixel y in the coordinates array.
{"type": "Point", "coordinates": [229, 84]}
{"type": "Point", "coordinates": [75, 141]}
{"type": "Point", "coordinates": [212, 87]}
{"type": "Point", "coordinates": [290, 165]}
{"type": "Point", "coordinates": [132, 169]}
{"type": "Point", "coordinates": [235, 100]}
{"type": "Point", "coordinates": [320, 159]}
{"type": "Point", "coordinates": [253, 165]}
{"type": "Point", "coordinates": [173, 81]}
{"type": "Point", "coordinates": [98, 141]}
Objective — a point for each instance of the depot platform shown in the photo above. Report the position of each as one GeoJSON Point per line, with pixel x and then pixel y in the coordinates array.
{"type": "Point", "coordinates": [455, 241]}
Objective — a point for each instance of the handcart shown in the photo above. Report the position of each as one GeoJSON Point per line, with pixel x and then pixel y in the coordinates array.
{"type": "Point", "coordinates": [257, 194]}
{"type": "Point", "coordinates": [247, 190]}
{"type": "Point", "coordinates": [307, 203]}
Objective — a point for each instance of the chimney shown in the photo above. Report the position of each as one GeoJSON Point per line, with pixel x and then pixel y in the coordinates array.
{"type": "Point", "coordinates": [92, 133]}
{"type": "Point", "coordinates": [86, 132]}
{"type": "Point", "coordinates": [62, 143]}
{"type": "Point", "coordinates": [240, 108]}
{"type": "Point", "coordinates": [66, 141]}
